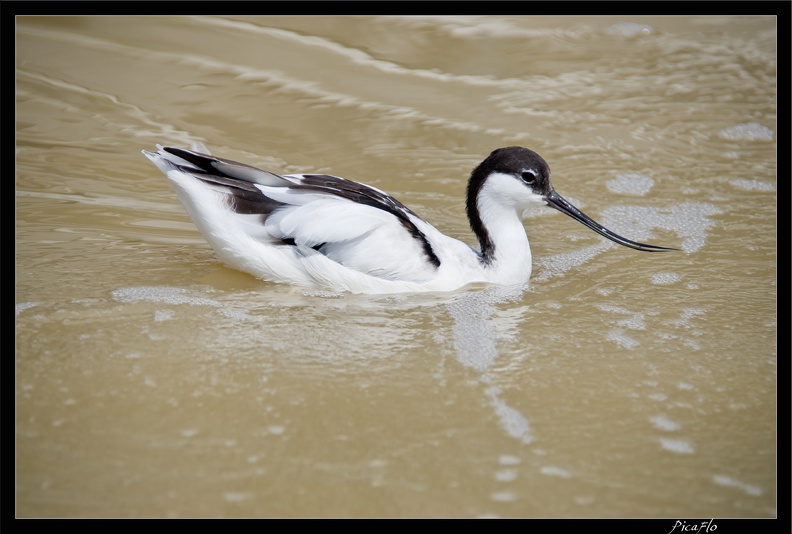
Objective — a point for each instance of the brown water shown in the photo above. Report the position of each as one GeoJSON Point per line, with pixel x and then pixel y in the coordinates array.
{"type": "Point", "coordinates": [152, 381]}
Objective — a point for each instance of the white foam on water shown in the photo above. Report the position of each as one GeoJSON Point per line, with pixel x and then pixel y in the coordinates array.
{"type": "Point", "coordinates": [509, 459]}
{"type": "Point", "coordinates": [504, 496]}
{"type": "Point", "coordinates": [629, 29]}
{"type": "Point", "coordinates": [631, 183]}
{"type": "Point", "coordinates": [473, 333]}
{"type": "Point", "coordinates": [559, 264]}
{"type": "Point", "coordinates": [689, 220]}
{"type": "Point", "coordinates": [753, 185]}
{"type": "Point", "coordinates": [163, 315]}
{"type": "Point", "coordinates": [553, 471]}
{"type": "Point", "coordinates": [168, 295]}
{"type": "Point", "coordinates": [751, 131]}
{"type": "Point", "coordinates": [506, 475]}
{"type": "Point", "coordinates": [22, 306]}
{"type": "Point", "coordinates": [511, 420]}
{"type": "Point", "coordinates": [620, 338]}
{"type": "Point", "coordinates": [661, 422]}
{"type": "Point", "coordinates": [236, 496]}
{"type": "Point", "coordinates": [723, 480]}
{"type": "Point", "coordinates": [665, 278]}
{"type": "Point", "coordinates": [688, 314]}
{"type": "Point", "coordinates": [678, 446]}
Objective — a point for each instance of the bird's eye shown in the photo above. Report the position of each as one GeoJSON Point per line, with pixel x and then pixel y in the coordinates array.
{"type": "Point", "coordinates": [529, 177]}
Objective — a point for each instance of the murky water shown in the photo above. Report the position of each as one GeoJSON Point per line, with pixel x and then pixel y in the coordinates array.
{"type": "Point", "coordinates": [152, 381]}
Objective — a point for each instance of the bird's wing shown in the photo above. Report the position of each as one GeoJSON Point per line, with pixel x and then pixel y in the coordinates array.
{"type": "Point", "coordinates": [353, 224]}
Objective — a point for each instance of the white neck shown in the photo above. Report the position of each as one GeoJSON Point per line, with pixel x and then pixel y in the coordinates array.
{"type": "Point", "coordinates": [500, 212]}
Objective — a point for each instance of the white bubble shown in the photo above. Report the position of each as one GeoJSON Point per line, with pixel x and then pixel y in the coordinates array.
{"type": "Point", "coordinates": [678, 446]}
{"type": "Point", "coordinates": [661, 422]}
{"type": "Point", "coordinates": [724, 480]}
{"type": "Point", "coordinates": [629, 29]}
{"type": "Point", "coordinates": [665, 278]}
{"type": "Point", "coordinates": [630, 183]}
{"type": "Point", "coordinates": [751, 131]}
{"type": "Point", "coordinates": [753, 185]}
{"type": "Point", "coordinates": [169, 295]}
{"type": "Point", "coordinates": [553, 471]}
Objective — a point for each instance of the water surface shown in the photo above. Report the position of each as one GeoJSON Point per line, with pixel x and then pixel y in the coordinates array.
{"type": "Point", "coordinates": [152, 381]}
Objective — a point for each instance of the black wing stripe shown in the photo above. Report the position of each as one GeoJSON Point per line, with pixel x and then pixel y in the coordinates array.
{"type": "Point", "coordinates": [202, 162]}
{"type": "Point", "coordinates": [363, 194]}
{"type": "Point", "coordinates": [248, 199]}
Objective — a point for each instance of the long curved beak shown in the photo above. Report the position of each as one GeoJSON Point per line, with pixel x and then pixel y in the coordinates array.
{"type": "Point", "coordinates": [554, 200]}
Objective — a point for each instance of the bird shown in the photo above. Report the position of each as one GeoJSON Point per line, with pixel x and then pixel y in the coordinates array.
{"type": "Point", "coordinates": [323, 231]}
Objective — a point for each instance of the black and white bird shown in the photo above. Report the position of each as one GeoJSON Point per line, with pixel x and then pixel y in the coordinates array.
{"type": "Point", "coordinates": [316, 230]}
